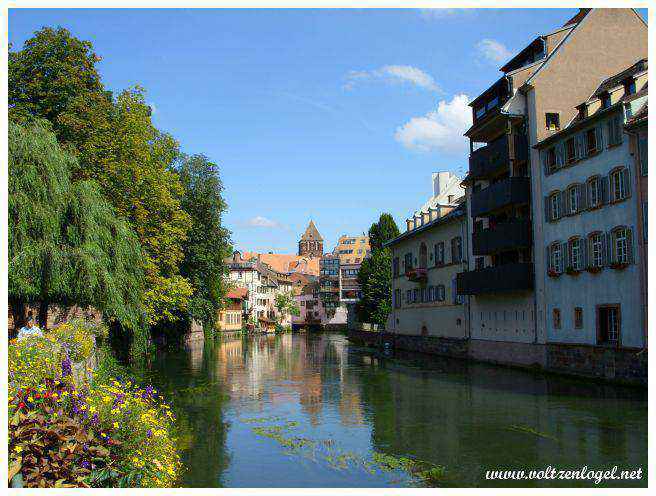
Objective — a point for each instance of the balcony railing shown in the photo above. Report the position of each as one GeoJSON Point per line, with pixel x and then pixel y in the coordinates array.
{"type": "Point", "coordinates": [502, 236]}
{"type": "Point", "coordinates": [508, 277]}
{"type": "Point", "coordinates": [490, 158]}
{"type": "Point", "coordinates": [513, 190]}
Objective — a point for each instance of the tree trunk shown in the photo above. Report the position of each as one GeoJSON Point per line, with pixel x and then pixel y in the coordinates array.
{"type": "Point", "coordinates": [42, 318]}
{"type": "Point", "coordinates": [17, 309]}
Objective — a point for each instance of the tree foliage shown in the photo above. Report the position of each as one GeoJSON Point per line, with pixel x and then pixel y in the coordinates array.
{"type": "Point", "coordinates": [208, 242]}
{"type": "Point", "coordinates": [285, 303]}
{"type": "Point", "coordinates": [375, 274]}
{"type": "Point", "coordinates": [382, 231]}
{"type": "Point", "coordinates": [54, 76]}
{"type": "Point", "coordinates": [66, 243]}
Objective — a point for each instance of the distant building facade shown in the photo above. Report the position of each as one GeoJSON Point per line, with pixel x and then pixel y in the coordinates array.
{"type": "Point", "coordinates": [352, 249]}
{"type": "Point", "coordinates": [231, 317]}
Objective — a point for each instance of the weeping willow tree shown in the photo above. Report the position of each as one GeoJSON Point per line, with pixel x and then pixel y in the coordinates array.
{"type": "Point", "coordinates": [66, 244]}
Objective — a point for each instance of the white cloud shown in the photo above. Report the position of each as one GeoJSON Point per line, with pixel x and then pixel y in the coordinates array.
{"type": "Point", "coordinates": [259, 221]}
{"type": "Point", "coordinates": [395, 74]}
{"type": "Point", "coordinates": [493, 51]}
{"type": "Point", "coordinates": [441, 129]}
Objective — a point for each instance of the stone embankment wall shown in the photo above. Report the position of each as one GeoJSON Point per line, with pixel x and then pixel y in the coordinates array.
{"type": "Point", "coordinates": [619, 365]}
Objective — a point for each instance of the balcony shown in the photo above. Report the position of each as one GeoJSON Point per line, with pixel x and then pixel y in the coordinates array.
{"type": "Point", "coordinates": [508, 277]}
{"type": "Point", "coordinates": [502, 236]}
{"type": "Point", "coordinates": [513, 190]}
{"type": "Point", "coordinates": [489, 159]}
{"type": "Point", "coordinates": [417, 275]}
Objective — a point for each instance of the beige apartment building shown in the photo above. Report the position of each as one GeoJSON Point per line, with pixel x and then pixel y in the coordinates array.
{"type": "Point", "coordinates": [352, 249]}
{"type": "Point", "coordinates": [536, 96]}
{"type": "Point", "coordinates": [425, 262]}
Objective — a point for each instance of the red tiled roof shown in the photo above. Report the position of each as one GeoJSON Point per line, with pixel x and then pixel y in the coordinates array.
{"type": "Point", "coordinates": [237, 293]}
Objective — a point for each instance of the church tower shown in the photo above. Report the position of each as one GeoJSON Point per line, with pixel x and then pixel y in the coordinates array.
{"type": "Point", "coordinates": [311, 243]}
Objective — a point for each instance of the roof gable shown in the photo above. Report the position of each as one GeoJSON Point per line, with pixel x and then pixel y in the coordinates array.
{"type": "Point", "coordinates": [311, 233]}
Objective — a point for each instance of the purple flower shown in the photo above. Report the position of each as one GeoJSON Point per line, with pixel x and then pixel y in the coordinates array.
{"type": "Point", "coordinates": [85, 447]}
{"type": "Point", "coordinates": [85, 464]}
{"type": "Point", "coordinates": [94, 419]}
{"type": "Point", "coordinates": [66, 367]}
{"type": "Point", "coordinates": [150, 433]}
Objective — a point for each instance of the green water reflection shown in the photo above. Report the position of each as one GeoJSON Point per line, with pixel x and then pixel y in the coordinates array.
{"type": "Point", "coordinates": [315, 411]}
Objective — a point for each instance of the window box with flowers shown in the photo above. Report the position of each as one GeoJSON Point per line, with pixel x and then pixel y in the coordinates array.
{"type": "Point", "coordinates": [594, 269]}
{"type": "Point", "coordinates": [553, 273]}
{"type": "Point", "coordinates": [572, 271]}
{"type": "Point", "coordinates": [619, 265]}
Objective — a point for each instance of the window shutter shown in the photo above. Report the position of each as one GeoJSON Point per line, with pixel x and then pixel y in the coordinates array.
{"type": "Point", "coordinates": [454, 294]}
{"type": "Point", "coordinates": [605, 186]}
{"type": "Point", "coordinates": [547, 208]}
{"type": "Point", "coordinates": [560, 204]}
{"type": "Point", "coordinates": [547, 251]}
{"type": "Point", "coordinates": [579, 142]}
{"type": "Point", "coordinates": [544, 154]}
{"type": "Point", "coordinates": [604, 249]}
{"type": "Point", "coordinates": [560, 155]}
{"type": "Point", "coordinates": [609, 132]}
{"type": "Point", "coordinates": [566, 202]}
{"type": "Point", "coordinates": [600, 137]}
{"type": "Point", "coordinates": [583, 252]}
{"type": "Point", "coordinates": [565, 255]}
{"type": "Point", "coordinates": [629, 244]}
{"type": "Point", "coordinates": [610, 252]}
{"type": "Point", "coordinates": [583, 196]}
{"type": "Point", "coordinates": [627, 181]}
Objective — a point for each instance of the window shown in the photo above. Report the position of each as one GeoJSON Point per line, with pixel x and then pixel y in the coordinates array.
{"type": "Point", "coordinates": [479, 263]}
{"type": "Point", "coordinates": [395, 266]}
{"type": "Point", "coordinates": [596, 249]}
{"type": "Point", "coordinates": [397, 298]}
{"type": "Point", "coordinates": [480, 112]}
{"type": "Point", "coordinates": [591, 141]}
{"type": "Point", "coordinates": [608, 324]}
{"type": "Point", "coordinates": [621, 245]}
{"type": "Point", "coordinates": [408, 297]}
{"type": "Point", "coordinates": [555, 257]}
{"type": "Point", "coordinates": [456, 249]}
{"type": "Point", "coordinates": [578, 318]}
{"type": "Point", "coordinates": [492, 103]}
{"type": "Point", "coordinates": [552, 121]}
{"type": "Point", "coordinates": [605, 100]}
{"type": "Point", "coordinates": [423, 256]}
{"type": "Point", "coordinates": [573, 199]}
{"type": "Point", "coordinates": [440, 292]}
{"type": "Point", "coordinates": [570, 149]}
{"type": "Point", "coordinates": [415, 295]}
{"type": "Point", "coordinates": [614, 131]}
{"type": "Point", "coordinates": [431, 293]}
{"type": "Point", "coordinates": [439, 253]}
{"type": "Point", "coordinates": [423, 295]}
{"type": "Point", "coordinates": [619, 184]}
{"type": "Point", "coordinates": [554, 206]}
{"type": "Point", "coordinates": [556, 318]}
{"type": "Point", "coordinates": [594, 192]}
{"type": "Point", "coordinates": [575, 254]}
{"type": "Point", "coordinates": [407, 261]}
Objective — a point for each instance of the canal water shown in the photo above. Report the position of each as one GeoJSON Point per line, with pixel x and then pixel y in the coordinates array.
{"type": "Point", "coordinates": [313, 410]}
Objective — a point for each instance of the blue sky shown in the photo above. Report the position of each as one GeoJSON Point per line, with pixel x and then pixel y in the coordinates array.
{"type": "Point", "coordinates": [334, 115]}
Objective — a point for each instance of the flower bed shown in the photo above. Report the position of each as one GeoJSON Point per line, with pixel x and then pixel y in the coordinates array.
{"type": "Point", "coordinates": [85, 429]}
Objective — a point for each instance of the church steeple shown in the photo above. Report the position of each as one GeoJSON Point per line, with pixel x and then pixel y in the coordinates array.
{"type": "Point", "coordinates": [311, 242]}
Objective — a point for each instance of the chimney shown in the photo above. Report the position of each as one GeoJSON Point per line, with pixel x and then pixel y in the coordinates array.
{"type": "Point", "coordinates": [440, 182]}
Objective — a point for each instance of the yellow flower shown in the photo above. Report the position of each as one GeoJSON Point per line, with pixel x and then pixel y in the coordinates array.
{"type": "Point", "coordinates": [115, 425]}
{"type": "Point", "coordinates": [18, 449]}
{"type": "Point", "coordinates": [107, 399]}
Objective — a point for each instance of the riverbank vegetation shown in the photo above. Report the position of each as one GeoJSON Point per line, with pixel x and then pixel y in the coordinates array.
{"type": "Point", "coordinates": [72, 423]}
{"type": "Point", "coordinates": [105, 209]}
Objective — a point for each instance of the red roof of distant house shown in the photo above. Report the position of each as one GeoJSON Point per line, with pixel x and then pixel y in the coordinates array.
{"type": "Point", "coordinates": [237, 294]}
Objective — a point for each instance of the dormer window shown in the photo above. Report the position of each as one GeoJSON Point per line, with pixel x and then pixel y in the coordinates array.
{"type": "Point", "coordinates": [605, 100]}
{"type": "Point", "coordinates": [583, 111]}
{"type": "Point", "coordinates": [552, 120]}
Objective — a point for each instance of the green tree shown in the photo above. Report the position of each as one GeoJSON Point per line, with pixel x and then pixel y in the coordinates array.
{"type": "Point", "coordinates": [51, 70]}
{"type": "Point", "coordinates": [375, 279]}
{"type": "Point", "coordinates": [208, 242]}
{"type": "Point", "coordinates": [375, 274]}
{"type": "Point", "coordinates": [54, 77]}
{"type": "Point", "coordinates": [285, 303]}
{"type": "Point", "coordinates": [382, 231]}
{"type": "Point", "coordinates": [66, 244]}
